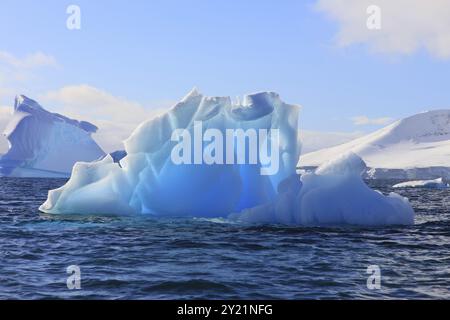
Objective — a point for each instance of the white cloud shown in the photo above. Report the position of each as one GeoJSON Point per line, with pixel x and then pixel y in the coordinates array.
{"type": "Point", "coordinates": [406, 25]}
{"type": "Point", "coordinates": [30, 61]}
{"type": "Point", "coordinates": [116, 117]}
{"type": "Point", "coordinates": [365, 120]}
{"type": "Point", "coordinates": [316, 140]}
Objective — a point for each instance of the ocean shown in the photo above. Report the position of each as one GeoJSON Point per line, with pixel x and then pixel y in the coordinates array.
{"type": "Point", "coordinates": [147, 258]}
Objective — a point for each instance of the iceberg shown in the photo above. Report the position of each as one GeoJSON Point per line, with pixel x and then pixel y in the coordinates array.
{"type": "Point", "coordinates": [430, 184]}
{"type": "Point", "coordinates": [184, 164]}
{"type": "Point", "coordinates": [44, 144]}
{"type": "Point", "coordinates": [335, 194]}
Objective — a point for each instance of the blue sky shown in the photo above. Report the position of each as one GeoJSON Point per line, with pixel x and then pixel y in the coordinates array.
{"type": "Point", "coordinates": [153, 52]}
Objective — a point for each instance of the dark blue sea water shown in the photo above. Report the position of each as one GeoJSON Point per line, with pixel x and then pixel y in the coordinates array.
{"type": "Point", "coordinates": [145, 258]}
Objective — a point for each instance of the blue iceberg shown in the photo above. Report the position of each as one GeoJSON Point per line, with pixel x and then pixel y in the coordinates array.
{"type": "Point", "coordinates": [199, 160]}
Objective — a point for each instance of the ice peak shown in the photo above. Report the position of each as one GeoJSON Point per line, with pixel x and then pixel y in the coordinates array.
{"type": "Point", "coordinates": [192, 94]}
{"type": "Point", "coordinates": [23, 101]}
{"type": "Point", "coordinates": [267, 95]}
{"type": "Point", "coordinates": [25, 105]}
{"type": "Point", "coordinates": [256, 105]}
{"type": "Point", "coordinates": [345, 164]}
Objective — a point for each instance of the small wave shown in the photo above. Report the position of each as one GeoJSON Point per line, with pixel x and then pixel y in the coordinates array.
{"type": "Point", "coordinates": [188, 286]}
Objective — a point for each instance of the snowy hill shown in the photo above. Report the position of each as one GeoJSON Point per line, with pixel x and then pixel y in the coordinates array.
{"type": "Point", "coordinates": [414, 147]}
{"type": "Point", "coordinates": [44, 144]}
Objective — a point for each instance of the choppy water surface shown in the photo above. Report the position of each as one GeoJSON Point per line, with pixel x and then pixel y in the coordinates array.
{"type": "Point", "coordinates": [146, 258]}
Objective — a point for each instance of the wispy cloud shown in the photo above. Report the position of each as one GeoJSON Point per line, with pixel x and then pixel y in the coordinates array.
{"type": "Point", "coordinates": [30, 61]}
{"type": "Point", "coordinates": [365, 120]}
{"type": "Point", "coordinates": [406, 25]}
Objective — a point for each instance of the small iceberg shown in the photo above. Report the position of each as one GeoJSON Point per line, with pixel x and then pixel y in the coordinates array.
{"type": "Point", "coordinates": [429, 184]}
{"type": "Point", "coordinates": [335, 194]}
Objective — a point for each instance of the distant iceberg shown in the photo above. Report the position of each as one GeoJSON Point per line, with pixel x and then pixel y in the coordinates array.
{"type": "Point", "coordinates": [148, 181]}
{"type": "Point", "coordinates": [44, 144]}
{"type": "Point", "coordinates": [430, 184]}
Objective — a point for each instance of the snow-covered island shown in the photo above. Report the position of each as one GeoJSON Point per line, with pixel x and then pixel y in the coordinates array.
{"type": "Point", "coordinates": [45, 144]}
{"type": "Point", "coordinates": [147, 180]}
{"type": "Point", "coordinates": [417, 147]}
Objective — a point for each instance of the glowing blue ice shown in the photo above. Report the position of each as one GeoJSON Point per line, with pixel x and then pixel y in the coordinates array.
{"type": "Point", "coordinates": [147, 180]}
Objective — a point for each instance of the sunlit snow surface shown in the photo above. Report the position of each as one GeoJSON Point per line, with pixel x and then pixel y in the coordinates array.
{"type": "Point", "coordinates": [147, 180]}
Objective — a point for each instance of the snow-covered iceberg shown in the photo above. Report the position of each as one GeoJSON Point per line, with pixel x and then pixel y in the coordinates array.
{"type": "Point", "coordinates": [44, 144]}
{"type": "Point", "coordinates": [429, 184]}
{"type": "Point", "coordinates": [148, 180]}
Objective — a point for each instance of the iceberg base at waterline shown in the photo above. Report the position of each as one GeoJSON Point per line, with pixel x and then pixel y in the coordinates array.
{"type": "Point", "coordinates": [146, 180]}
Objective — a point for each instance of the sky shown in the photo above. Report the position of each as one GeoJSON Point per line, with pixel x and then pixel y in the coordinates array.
{"type": "Point", "coordinates": [133, 59]}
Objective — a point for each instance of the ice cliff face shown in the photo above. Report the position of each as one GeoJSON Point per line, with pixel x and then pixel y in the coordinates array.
{"type": "Point", "coordinates": [44, 144]}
